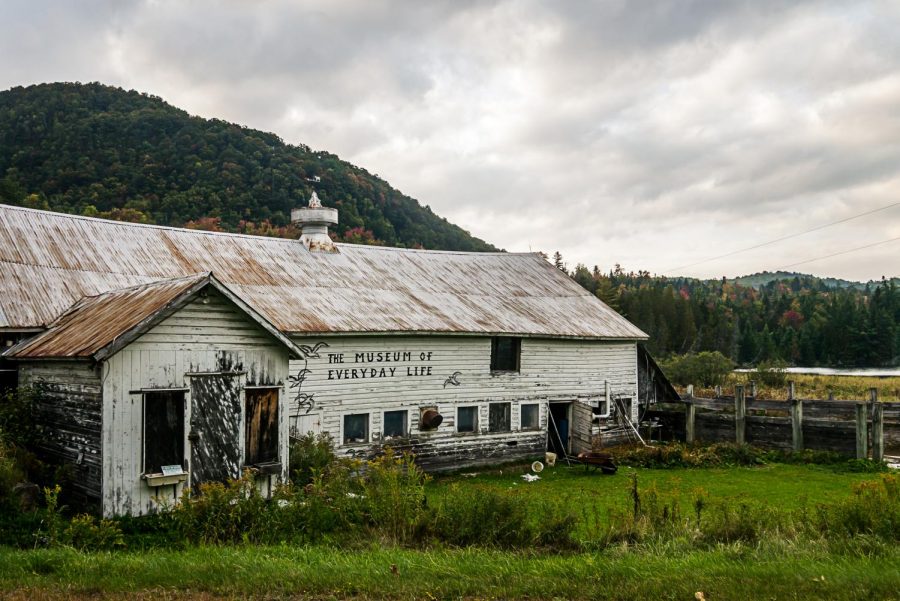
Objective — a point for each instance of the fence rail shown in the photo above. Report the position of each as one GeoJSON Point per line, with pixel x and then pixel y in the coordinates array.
{"type": "Point", "coordinates": [851, 427]}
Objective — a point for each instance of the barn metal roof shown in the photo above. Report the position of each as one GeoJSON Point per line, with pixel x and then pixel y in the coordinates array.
{"type": "Point", "coordinates": [98, 326]}
{"type": "Point", "coordinates": [49, 261]}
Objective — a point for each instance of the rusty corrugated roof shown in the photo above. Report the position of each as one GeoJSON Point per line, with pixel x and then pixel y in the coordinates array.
{"type": "Point", "coordinates": [48, 261]}
{"type": "Point", "coordinates": [95, 322]}
{"type": "Point", "coordinates": [97, 326]}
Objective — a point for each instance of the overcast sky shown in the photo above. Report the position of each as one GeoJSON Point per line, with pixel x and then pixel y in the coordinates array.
{"type": "Point", "coordinates": [651, 134]}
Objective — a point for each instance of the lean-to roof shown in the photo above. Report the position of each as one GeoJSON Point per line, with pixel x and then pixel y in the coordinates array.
{"type": "Point", "coordinates": [49, 261]}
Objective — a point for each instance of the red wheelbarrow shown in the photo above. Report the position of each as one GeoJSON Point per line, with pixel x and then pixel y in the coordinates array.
{"type": "Point", "coordinates": [598, 461]}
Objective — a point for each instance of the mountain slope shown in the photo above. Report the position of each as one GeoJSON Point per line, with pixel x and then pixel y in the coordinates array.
{"type": "Point", "coordinates": [97, 150]}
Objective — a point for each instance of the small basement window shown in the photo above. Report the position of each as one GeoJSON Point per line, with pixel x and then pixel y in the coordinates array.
{"type": "Point", "coordinates": [467, 419]}
{"type": "Point", "coordinates": [505, 352]}
{"type": "Point", "coordinates": [531, 416]}
{"type": "Point", "coordinates": [356, 428]}
{"type": "Point", "coordinates": [163, 430]}
{"type": "Point", "coordinates": [394, 425]}
{"type": "Point", "coordinates": [499, 417]}
{"type": "Point", "coordinates": [261, 426]}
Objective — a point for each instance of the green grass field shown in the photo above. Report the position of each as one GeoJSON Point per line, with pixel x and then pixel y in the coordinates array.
{"type": "Point", "coordinates": [673, 569]}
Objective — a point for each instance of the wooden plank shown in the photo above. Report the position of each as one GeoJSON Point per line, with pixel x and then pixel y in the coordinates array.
{"type": "Point", "coordinates": [740, 416]}
{"type": "Point", "coordinates": [862, 438]}
{"type": "Point", "coordinates": [796, 422]}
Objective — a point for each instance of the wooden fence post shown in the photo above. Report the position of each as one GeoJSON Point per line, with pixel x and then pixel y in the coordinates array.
{"type": "Point", "coordinates": [792, 391]}
{"type": "Point", "coordinates": [740, 415]}
{"type": "Point", "coordinates": [862, 435]}
{"type": "Point", "coordinates": [877, 426]}
{"type": "Point", "coordinates": [689, 414]}
{"type": "Point", "coordinates": [752, 394]}
{"type": "Point", "coordinates": [718, 392]}
{"type": "Point", "coordinates": [796, 418]}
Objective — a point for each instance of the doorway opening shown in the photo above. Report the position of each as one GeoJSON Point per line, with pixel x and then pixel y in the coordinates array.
{"type": "Point", "coordinates": [558, 439]}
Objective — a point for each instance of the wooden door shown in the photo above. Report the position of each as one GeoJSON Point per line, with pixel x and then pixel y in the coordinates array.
{"type": "Point", "coordinates": [215, 428]}
{"type": "Point", "coordinates": [582, 416]}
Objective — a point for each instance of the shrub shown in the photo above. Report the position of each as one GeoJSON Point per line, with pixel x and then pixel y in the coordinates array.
{"type": "Point", "coordinates": [771, 373]}
{"type": "Point", "coordinates": [309, 454]}
{"type": "Point", "coordinates": [87, 533]}
{"type": "Point", "coordinates": [482, 516]}
{"type": "Point", "coordinates": [702, 369]}
{"type": "Point", "coordinates": [873, 509]}
{"type": "Point", "coordinates": [394, 490]}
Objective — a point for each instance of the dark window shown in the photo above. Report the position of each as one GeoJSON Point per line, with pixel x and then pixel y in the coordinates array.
{"type": "Point", "coordinates": [531, 416]}
{"type": "Point", "coordinates": [505, 353]}
{"type": "Point", "coordinates": [356, 428]}
{"type": "Point", "coordinates": [163, 430]}
{"type": "Point", "coordinates": [395, 424]}
{"type": "Point", "coordinates": [499, 417]}
{"type": "Point", "coordinates": [467, 419]}
{"type": "Point", "coordinates": [261, 425]}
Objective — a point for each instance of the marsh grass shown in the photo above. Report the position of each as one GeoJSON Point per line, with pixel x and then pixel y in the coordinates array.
{"type": "Point", "coordinates": [848, 388]}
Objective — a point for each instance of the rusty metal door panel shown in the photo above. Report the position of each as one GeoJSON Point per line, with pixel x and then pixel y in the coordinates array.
{"type": "Point", "coordinates": [582, 415]}
{"type": "Point", "coordinates": [215, 429]}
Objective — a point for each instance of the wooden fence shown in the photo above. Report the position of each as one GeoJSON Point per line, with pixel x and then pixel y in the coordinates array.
{"type": "Point", "coordinates": [851, 427]}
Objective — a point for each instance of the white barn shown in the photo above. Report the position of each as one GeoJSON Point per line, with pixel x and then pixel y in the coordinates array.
{"type": "Point", "coordinates": [459, 357]}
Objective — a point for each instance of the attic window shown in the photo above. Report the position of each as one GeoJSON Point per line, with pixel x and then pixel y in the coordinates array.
{"type": "Point", "coordinates": [163, 430]}
{"type": "Point", "coordinates": [505, 352]}
{"type": "Point", "coordinates": [261, 426]}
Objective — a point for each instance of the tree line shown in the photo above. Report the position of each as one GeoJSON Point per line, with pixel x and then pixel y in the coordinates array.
{"type": "Point", "coordinates": [800, 320]}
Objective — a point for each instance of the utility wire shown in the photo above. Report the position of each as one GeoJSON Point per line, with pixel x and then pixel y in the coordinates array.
{"type": "Point", "coordinates": [804, 232]}
{"type": "Point", "coordinates": [843, 252]}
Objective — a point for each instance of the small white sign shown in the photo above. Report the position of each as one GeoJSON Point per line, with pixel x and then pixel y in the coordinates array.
{"type": "Point", "coordinates": [172, 470]}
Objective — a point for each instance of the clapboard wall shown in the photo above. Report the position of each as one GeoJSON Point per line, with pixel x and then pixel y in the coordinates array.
{"type": "Point", "coordinates": [205, 336]}
{"type": "Point", "coordinates": [68, 417]}
{"type": "Point", "coordinates": [448, 372]}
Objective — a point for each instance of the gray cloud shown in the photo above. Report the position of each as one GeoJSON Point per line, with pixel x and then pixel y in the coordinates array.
{"type": "Point", "coordinates": [653, 134]}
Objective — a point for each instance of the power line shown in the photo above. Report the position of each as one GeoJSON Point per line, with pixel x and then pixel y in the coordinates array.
{"type": "Point", "coordinates": [843, 252]}
{"type": "Point", "coordinates": [783, 238]}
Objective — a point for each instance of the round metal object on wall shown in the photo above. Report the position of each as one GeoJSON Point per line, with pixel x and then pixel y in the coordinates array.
{"type": "Point", "coordinates": [431, 419]}
{"type": "Point", "coordinates": [537, 467]}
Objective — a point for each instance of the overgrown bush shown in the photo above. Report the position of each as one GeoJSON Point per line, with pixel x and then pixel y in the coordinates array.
{"type": "Point", "coordinates": [701, 369]}
{"type": "Point", "coordinates": [394, 489]}
{"type": "Point", "coordinates": [771, 373]}
{"type": "Point", "coordinates": [873, 509]}
{"type": "Point", "coordinates": [482, 516]}
{"type": "Point", "coordinates": [309, 454]}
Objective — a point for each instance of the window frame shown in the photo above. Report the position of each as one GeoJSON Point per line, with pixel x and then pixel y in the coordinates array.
{"type": "Point", "coordinates": [405, 432]}
{"type": "Point", "coordinates": [537, 425]}
{"type": "Point", "coordinates": [368, 437]}
{"type": "Point", "coordinates": [491, 407]}
{"type": "Point", "coordinates": [178, 435]}
{"type": "Point", "coordinates": [477, 417]}
{"type": "Point", "coordinates": [248, 391]}
{"type": "Point", "coordinates": [516, 352]}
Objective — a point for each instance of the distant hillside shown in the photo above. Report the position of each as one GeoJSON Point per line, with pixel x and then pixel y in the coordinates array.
{"type": "Point", "coordinates": [97, 150]}
{"type": "Point", "coordinates": [800, 281]}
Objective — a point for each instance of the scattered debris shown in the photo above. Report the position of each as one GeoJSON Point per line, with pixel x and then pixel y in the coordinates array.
{"type": "Point", "coordinates": [469, 475]}
{"type": "Point", "coordinates": [530, 477]}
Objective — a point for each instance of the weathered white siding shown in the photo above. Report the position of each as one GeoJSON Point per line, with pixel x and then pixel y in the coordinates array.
{"type": "Point", "coordinates": [68, 414]}
{"type": "Point", "coordinates": [550, 370]}
{"type": "Point", "coordinates": [211, 336]}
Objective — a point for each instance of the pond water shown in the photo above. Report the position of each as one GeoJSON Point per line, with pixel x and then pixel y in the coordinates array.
{"type": "Point", "coordinates": [872, 372]}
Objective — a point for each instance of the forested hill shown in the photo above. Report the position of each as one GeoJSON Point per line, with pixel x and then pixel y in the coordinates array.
{"type": "Point", "coordinates": [102, 151]}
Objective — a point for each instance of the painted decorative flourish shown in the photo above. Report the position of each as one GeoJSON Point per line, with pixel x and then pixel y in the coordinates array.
{"type": "Point", "coordinates": [304, 399]}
